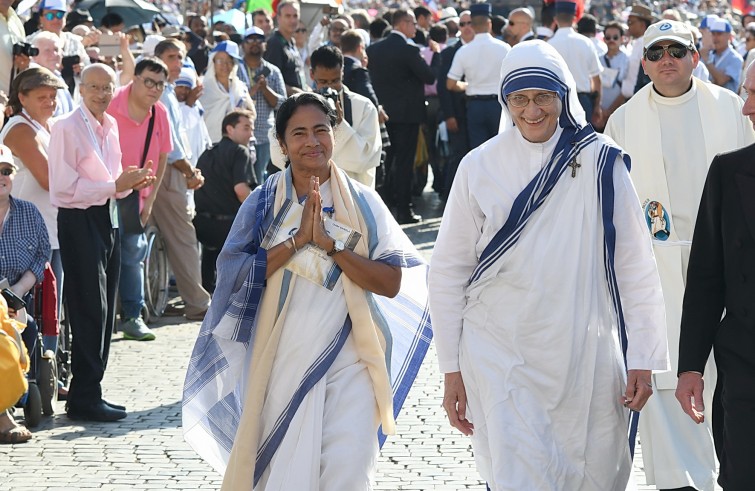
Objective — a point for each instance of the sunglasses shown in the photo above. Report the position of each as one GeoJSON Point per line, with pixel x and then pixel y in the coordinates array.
{"type": "Point", "coordinates": [612, 38]}
{"type": "Point", "coordinates": [55, 15]}
{"type": "Point", "coordinates": [464, 24]}
{"type": "Point", "coordinates": [7, 172]}
{"type": "Point", "coordinates": [674, 50]}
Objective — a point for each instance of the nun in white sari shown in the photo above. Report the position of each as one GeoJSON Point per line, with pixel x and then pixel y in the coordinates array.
{"type": "Point", "coordinates": [303, 355]}
{"type": "Point", "coordinates": [547, 307]}
{"type": "Point", "coordinates": [223, 90]}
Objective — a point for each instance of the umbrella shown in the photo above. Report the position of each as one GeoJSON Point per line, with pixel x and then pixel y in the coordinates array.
{"type": "Point", "coordinates": [134, 12]}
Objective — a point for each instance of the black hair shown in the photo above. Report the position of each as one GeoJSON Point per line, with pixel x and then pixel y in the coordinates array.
{"type": "Point", "coordinates": [151, 64]}
{"type": "Point", "coordinates": [111, 19]}
{"type": "Point", "coordinates": [326, 56]}
{"type": "Point", "coordinates": [290, 105]}
{"type": "Point", "coordinates": [498, 22]}
{"type": "Point", "coordinates": [169, 44]}
{"type": "Point", "coordinates": [438, 33]}
{"type": "Point", "coordinates": [614, 25]}
{"type": "Point", "coordinates": [378, 28]}
{"type": "Point", "coordinates": [233, 118]}
{"type": "Point", "coordinates": [422, 11]}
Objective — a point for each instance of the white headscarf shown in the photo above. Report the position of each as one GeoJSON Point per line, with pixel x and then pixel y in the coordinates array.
{"type": "Point", "coordinates": [536, 64]}
{"type": "Point", "coordinates": [217, 102]}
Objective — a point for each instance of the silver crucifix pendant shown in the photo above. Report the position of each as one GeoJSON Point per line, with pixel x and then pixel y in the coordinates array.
{"type": "Point", "coordinates": [574, 166]}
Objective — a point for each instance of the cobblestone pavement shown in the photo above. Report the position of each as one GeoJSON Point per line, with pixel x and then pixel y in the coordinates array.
{"type": "Point", "coordinates": [146, 450]}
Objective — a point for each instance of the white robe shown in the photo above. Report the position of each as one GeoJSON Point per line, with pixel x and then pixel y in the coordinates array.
{"type": "Point", "coordinates": [684, 134]}
{"type": "Point", "coordinates": [536, 340]}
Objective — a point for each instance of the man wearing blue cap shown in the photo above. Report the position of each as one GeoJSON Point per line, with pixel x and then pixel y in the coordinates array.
{"type": "Point", "coordinates": [723, 61]}
{"type": "Point", "coordinates": [673, 128]}
{"type": "Point", "coordinates": [479, 64]}
{"type": "Point", "coordinates": [581, 57]}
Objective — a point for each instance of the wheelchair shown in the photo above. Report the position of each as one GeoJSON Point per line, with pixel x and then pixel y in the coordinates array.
{"type": "Point", "coordinates": [156, 275]}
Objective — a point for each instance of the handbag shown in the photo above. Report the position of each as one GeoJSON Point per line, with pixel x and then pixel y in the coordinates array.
{"type": "Point", "coordinates": [128, 207]}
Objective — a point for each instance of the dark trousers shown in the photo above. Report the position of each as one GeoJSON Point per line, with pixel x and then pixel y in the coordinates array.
{"type": "Point", "coordinates": [90, 250]}
{"type": "Point", "coordinates": [430, 129]}
{"type": "Point", "coordinates": [587, 101]}
{"type": "Point", "coordinates": [400, 163]}
{"type": "Point", "coordinates": [212, 231]}
{"type": "Point", "coordinates": [483, 120]}
{"type": "Point", "coordinates": [458, 145]}
{"type": "Point", "coordinates": [736, 434]}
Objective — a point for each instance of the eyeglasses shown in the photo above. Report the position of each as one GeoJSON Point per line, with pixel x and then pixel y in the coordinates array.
{"type": "Point", "coordinates": [301, 29]}
{"type": "Point", "coordinates": [152, 84]}
{"type": "Point", "coordinates": [611, 38]}
{"type": "Point", "coordinates": [464, 24]}
{"type": "Point", "coordinates": [674, 50]}
{"type": "Point", "coordinates": [7, 172]}
{"type": "Point", "coordinates": [55, 15]}
{"type": "Point", "coordinates": [519, 100]}
{"type": "Point", "coordinates": [104, 89]}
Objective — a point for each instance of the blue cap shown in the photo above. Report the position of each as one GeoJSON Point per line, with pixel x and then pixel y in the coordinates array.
{"type": "Point", "coordinates": [229, 47]}
{"type": "Point", "coordinates": [480, 9]}
{"type": "Point", "coordinates": [566, 7]}
{"type": "Point", "coordinates": [708, 20]}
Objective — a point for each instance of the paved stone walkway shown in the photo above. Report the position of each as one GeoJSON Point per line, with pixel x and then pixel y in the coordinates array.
{"type": "Point", "coordinates": [146, 450]}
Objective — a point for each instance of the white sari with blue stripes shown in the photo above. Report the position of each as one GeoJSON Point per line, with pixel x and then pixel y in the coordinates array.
{"type": "Point", "coordinates": [544, 291]}
{"type": "Point", "coordinates": [316, 325]}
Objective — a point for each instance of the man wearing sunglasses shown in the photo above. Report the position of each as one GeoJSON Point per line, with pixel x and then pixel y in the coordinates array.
{"type": "Point", "coordinates": [672, 128]}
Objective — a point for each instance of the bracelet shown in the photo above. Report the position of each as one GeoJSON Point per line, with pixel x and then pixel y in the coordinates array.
{"type": "Point", "coordinates": [293, 244]}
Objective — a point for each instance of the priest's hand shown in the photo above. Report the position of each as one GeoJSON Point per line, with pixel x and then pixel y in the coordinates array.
{"type": "Point", "coordinates": [689, 393]}
{"type": "Point", "coordinates": [455, 403]}
{"type": "Point", "coordinates": [639, 389]}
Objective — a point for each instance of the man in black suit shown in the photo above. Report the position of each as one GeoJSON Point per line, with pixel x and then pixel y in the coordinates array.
{"type": "Point", "coordinates": [453, 105]}
{"type": "Point", "coordinates": [355, 75]}
{"type": "Point", "coordinates": [399, 75]}
{"type": "Point", "coordinates": [720, 279]}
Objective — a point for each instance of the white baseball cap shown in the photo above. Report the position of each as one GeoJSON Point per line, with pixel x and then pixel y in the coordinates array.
{"type": "Point", "coordinates": [669, 30]}
{"type": "Point", "coordinates": [60, 5]}
{"type": "Point", "coordinates": [6, 156]}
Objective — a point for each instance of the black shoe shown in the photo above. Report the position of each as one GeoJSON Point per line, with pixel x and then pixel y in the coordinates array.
{"type": "Point", "coordinates": [114, 405]}
{"type": "Point", "coordinates": [407, 216]}
{"type": "Point", "coordinates": [96, 412]}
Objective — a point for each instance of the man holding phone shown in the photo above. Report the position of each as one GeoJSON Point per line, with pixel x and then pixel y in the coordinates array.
{"type": "Point", "coordinates": [267, 90]}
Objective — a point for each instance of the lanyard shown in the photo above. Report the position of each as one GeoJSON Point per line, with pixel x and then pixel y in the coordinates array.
{"type": "Point", "coordinates": [101, 150]}
{"type": "Point", "coordinates": [724, 55]}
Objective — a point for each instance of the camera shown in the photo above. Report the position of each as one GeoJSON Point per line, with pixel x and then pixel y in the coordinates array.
{"type": "Point", "coordinates": [25, 49]}
{"type": "Point", "coordinates": [328, 93]}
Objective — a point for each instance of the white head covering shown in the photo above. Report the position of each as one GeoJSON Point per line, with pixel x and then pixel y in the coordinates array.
{"type": "Point", "coordinates": [217, 102]}
{"type": "Point", "coordinates": [537, 65]}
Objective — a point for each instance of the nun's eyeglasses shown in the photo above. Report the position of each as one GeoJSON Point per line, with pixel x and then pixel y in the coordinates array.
{"type": "Point", "coordinates": [674, 50]}
{"type": "Point", "coordinates": [519, 100]}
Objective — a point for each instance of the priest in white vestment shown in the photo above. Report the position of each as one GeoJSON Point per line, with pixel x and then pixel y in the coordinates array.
{"type": "Point", "coordinates": [544, 293]}
{"type": "Point", "coordinates": [672, 129]}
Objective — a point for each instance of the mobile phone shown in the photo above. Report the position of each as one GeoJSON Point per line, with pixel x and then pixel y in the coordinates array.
{"type": "Point", "coordinates": [265, 72]}
{"type": "Point", "coordinates": [14, 301]}
{"type": "Point", "coordinates": [110, 45]}
{"type": "Point", "coordinates": [330, 10]}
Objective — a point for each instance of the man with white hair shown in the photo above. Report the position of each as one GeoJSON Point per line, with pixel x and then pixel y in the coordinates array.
{"type": "Point", "coordinates": [50, 56]}
{"type": "Point", "coordinates": [542, 276]}
{"type": "Point", "coordinates": [672, 128]}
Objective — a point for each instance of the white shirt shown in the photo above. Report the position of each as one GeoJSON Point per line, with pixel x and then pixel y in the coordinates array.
{"type": "Point", "coordinates": [11, 32]}
{"type": "Point", "coordinates": [635, 61]}
{"type": "Point", "coordinates": [479, 62]}
{"type": "Point", "coordinates": [580, 56]}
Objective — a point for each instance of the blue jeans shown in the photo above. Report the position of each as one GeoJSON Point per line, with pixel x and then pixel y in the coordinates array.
{"type": "Point", "coordinates": [263, 157]}
{"type": "Point", "coordinates": [131, 283]}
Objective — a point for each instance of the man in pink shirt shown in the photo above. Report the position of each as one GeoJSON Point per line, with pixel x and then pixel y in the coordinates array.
{"type": "Point", "coordinates": [85, 179]}
{"type": "Point", "coordinates": [133, 107]}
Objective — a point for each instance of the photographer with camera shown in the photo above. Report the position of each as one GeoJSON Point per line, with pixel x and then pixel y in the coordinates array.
{"type": "Point", "coordinates": [267, 91]}
{"type": "Point", "coordinates": [357, 132]}
{"type": "Point", "coordinates": [12, 50]}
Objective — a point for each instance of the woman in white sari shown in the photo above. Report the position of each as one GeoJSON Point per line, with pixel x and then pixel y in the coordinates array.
{"type": "Point", "coordinates": [223, 90]}
{"type": "Point", "coordinates": [311, 342]}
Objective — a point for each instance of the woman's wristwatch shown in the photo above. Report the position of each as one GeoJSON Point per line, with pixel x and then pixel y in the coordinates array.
{"type": "Point", "coordinates": [338, 246]}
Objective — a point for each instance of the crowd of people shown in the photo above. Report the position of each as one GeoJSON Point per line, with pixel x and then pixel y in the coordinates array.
{"type": "Point", "coordinates": [580, 136]}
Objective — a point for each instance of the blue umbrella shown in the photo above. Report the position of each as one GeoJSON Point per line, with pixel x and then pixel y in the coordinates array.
{"type": "Point", "coordinates": [134, 12]}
